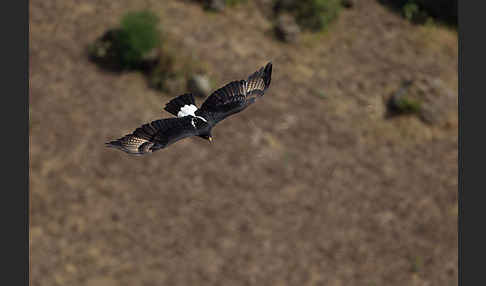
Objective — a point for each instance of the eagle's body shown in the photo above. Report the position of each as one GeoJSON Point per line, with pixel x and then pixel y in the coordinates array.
{"type": "Point", "coordinates": [192, 121]}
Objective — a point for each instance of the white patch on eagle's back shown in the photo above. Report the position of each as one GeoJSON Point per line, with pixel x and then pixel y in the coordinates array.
{"type": "Point", "coordinates": [186, 110]}
{"type": "Point", "coordinates": [189, 110]}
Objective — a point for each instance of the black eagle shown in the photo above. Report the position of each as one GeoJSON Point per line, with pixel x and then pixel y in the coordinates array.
{"type": "Point", "coordinates": [192, 121]}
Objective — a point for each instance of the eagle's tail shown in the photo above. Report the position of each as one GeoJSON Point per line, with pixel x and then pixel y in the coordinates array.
{"type": "Point", "coordinates": [175, 105]}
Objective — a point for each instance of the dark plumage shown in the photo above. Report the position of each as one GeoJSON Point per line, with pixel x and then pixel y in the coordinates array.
{"type": "Point", "coordinates": [191, 121]}
{"type": "Point", "coordinates": [175, 105]}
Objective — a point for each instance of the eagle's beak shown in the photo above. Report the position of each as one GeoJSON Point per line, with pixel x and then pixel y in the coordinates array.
{"type": "Point", "coordinates": [210, 139]}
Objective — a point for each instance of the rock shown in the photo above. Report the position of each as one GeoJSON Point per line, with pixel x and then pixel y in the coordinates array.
{"type": "Point", "coordinates": [215, 5]}
{"type": "Point", "coordinates": [199, 85]}
{"type": "Point", "coordinates": [287, 29]}
{"type": "Point", "coordinates": [429, 99]}
{"type": "Point", "coordinates": [348, 3]}
{"type": "Point", "coordinates": [438, 102]}
{"type": "Point", "coordinates": [436, 113]}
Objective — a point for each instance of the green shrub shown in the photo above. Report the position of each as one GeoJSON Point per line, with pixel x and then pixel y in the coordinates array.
{"type": "Point", "coordinates": [420, 10]}
{"type": "Point", "coordinates": [234, 2]}
{"type": "Point", "coordinates": [312, 15]}
{"type": "Point", "coordinates": [414, 13]}
{"type": "Point", "coordinates": [138, 34]}
{"type": "Point", "coordinates": [410, 10]}
{"type": "Point", "coordinates": [408, 105]}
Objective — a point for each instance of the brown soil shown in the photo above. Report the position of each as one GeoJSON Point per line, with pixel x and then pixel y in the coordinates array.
{"type": "Point", "coordinates": [311, 186]}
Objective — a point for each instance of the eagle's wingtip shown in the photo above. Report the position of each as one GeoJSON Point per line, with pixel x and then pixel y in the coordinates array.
{"type": "Point", "coordinates": [268, 68]}
{"type": "Point", "coordinates": [112, 144]}
{"type": "Point", "coordinates": [268, 74]}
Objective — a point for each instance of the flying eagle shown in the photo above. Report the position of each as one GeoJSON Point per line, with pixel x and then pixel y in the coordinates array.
{"type": "Point", "coordinates": [192, 121]}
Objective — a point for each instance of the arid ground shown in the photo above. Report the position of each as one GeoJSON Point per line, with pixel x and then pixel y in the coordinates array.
{"type": "Point", "coordinates": [310, 186]}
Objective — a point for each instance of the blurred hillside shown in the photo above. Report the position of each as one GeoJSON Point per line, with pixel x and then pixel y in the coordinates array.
{"type": "Point", "coordinates": [313, 185]}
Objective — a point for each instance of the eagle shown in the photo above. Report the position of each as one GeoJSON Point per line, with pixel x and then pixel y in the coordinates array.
{"type": "Point", "coordinates": [190, 121]}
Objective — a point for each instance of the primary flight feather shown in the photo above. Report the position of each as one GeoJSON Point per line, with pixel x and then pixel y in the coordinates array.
{"type": "Point", "coordinates": [192, 121]}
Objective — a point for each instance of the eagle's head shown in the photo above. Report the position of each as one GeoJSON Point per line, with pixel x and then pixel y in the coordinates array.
{"type": "Point", "coordinates": [207, 137]}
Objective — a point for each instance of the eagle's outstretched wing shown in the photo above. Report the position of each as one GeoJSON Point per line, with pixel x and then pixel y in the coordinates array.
{"type": "Point", "coordinates": [236, 95]}
{"type": "Point", "coordinates": [158, 134]}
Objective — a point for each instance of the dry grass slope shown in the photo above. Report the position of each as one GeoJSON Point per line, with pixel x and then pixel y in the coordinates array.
{"type": "Point", "coordinates": [297, 190]}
